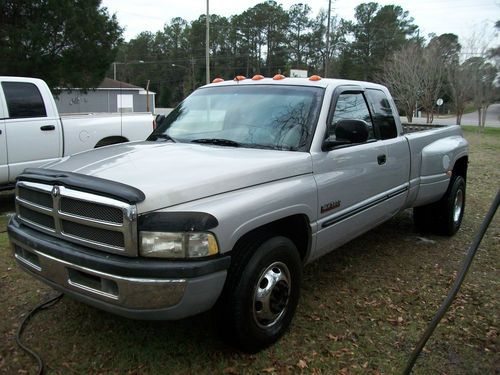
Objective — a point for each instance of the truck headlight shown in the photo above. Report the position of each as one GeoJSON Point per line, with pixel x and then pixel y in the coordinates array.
{"type": "Point", "coordinates": [177, 245]}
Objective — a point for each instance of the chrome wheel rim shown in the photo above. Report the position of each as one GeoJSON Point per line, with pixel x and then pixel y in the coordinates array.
{"type": "Point", "coordinates": [271, 295]}
{"type": "Point", "coordinates": [458, 206]}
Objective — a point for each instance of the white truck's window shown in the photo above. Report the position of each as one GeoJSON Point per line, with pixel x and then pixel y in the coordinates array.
{"type": "Point", "coordinates": [23, 100]}
{"type": "Point", "coordinates": [350, 106]}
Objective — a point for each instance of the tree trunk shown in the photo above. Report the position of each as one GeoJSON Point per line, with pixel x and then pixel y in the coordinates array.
{"type": "Point", "coordinates": [483, 119]}
{"type": "Point", "coordinates": [459, 117]}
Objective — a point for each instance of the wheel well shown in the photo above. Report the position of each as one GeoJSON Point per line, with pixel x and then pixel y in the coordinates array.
{"type": "Point", "coordinates": [295, 227]}
{"type": "Point", "coordinates": [460, 167]}
{"type": "Point", "coordinates": [110, 141]}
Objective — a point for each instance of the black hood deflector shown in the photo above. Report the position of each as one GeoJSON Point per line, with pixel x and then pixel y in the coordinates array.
{"type": "Point", "coordinates": [89, 184]}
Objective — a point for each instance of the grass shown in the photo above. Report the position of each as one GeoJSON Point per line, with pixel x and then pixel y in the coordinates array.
{"type": "Point", "coordinates": [362, 309]}
{"type": "Point", "coordinates": [485, 130]}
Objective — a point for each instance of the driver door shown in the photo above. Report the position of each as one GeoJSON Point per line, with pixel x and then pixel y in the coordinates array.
{"type": "Point", "coordinates": [353, 180]}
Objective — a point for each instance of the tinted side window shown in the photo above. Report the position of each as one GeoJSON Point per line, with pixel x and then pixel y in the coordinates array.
{"type": "Point", "coordinates": [23, 100]}
{"type": "Point", "coordinates": [382, 114]}
{"type": "Point", "coordinates": [350, 106]}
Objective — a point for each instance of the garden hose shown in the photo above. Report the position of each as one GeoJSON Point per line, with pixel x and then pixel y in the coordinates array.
{"type": "Point", "coordinates": [44, 305]}
{"type": "Point", "coordinates": [456, 286]}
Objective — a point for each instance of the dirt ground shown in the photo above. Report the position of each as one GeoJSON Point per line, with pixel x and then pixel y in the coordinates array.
{"type": "Point", "coordinates": [362, 309]}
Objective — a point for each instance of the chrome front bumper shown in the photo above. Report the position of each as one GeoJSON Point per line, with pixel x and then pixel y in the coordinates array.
{"type": "Point", "coordinates": [135, 296]}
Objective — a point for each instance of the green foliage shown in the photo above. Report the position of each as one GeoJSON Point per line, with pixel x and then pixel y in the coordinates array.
{"type": "Point", "coordinates": [377, 32]}
{"type": "Point", "coordinates": [264, 39]}
{"type": "Point", "coordinates": [299, 34]}
{"type": "Point", "coordinates": [68, 43]}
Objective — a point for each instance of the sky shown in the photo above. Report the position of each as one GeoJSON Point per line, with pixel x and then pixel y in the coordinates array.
{"type": "Point", "coordinates": [461, 17]}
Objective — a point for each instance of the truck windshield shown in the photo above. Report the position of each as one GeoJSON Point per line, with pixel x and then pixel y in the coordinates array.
{"type": "Point", "coordinates": [259, 116]}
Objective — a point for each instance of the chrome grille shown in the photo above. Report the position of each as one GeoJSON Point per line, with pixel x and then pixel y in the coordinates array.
{"type": "Point", "coordinates": [43, 199]}
{"type": "Point", "coordinates": [92, 210]}
{"type": "Point", "coordinates": [88, 219]}
{"type": "Point", "coordinates": [37, 217]}
{"type": "Point", "coordinates": [93, 234]}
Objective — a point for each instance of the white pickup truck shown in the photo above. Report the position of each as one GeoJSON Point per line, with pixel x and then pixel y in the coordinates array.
{"type": "Point", "coordinates": [243, 184]}
{"type": "Point", "coordinates": [32, 132]}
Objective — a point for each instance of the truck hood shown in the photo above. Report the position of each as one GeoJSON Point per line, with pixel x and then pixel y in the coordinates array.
{"type": "Point", "coordinates": [173, 173]}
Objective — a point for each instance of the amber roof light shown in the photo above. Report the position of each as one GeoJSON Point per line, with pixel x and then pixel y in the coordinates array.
{"type": "Point", "coordinates": [217, 80]}
{"type": "Point", "coordinates": [278, 77]}
{"type": "Point", "coordinates": [239, 78]}
{"type": "Point", "coordinates": [314, 78]}
{"type": "Point", "coordinates": [257, 77]}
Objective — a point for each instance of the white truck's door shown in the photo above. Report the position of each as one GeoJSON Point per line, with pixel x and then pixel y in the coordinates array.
{"type": "Point", "coordinates": [4, 168]}
{"type": "Point", "coordinates": [32, 126]}
{"type": "Point", "coordinates": [356, 189]}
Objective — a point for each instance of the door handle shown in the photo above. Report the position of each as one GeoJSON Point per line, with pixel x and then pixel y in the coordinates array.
{"type": "Point", "coordinates": [381, 159]}
{"type": "Point", "coordinates": [47, 127]}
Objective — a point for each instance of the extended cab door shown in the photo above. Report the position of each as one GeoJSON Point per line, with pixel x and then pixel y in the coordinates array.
{"type": "Point", "coordinates": [359, 185]}
{"type": "Point", "coordinates": [32, 127]}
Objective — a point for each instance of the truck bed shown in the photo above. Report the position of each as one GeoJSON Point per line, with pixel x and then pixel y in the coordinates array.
{"type": "Point", "coordinates": [412, 128]}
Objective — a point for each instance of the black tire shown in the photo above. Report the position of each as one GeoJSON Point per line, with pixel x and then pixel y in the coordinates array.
{"type": "Point", "coordinates": [271, 267]}
{"type": "Point", "coordinates": [422, 217]}
{"type": "Point", "coordinates": [453, 204]}
{"type": "Point", "coordinates": [445, 216]}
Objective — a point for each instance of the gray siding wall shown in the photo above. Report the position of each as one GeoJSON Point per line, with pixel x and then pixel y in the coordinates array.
{"type": "Point", "coordinates": [76, 101]}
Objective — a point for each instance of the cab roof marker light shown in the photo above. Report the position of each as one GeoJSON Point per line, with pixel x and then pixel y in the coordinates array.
{"type": "Point", "coordinates": [278, 77]}
{"type": "Point", "coordinates": [239, 78]}
{"type": "Point", "coordinates": [217, 80]}
{"type": "Point", "coordinates": [257, 77]}
{"type": "Point", "coordinates": [314, 78]}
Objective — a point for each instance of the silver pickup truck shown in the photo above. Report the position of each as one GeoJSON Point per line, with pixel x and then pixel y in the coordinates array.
{"type": "Point", "coordinates": [243, 184]}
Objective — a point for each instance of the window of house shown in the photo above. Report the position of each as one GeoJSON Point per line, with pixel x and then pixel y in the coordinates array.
{"type": "Point", "coordinates": [125, 103]}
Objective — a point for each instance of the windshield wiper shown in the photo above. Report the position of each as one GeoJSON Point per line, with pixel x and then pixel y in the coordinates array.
{"type": "Point", "coordinates": [271, 147]}
{"type": "Point", "coordinates": [217, 141]}
{"type": "Point", "coordinates": [163, 136]}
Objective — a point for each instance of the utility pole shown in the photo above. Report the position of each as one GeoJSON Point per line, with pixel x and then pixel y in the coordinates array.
{"type": "Point", "coordinates": [114, 71]}
{"type": "Point", "coordinates": [327, 38]}
{"type": "Point", "coordinates": [207, 41]}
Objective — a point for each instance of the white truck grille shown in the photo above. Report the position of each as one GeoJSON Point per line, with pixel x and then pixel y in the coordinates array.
{"type": "Point", "coordinates": [88, 219]}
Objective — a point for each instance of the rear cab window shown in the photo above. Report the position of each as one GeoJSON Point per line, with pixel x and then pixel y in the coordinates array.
{"type": "Point", "coordinates": [23, 100]}
{"type": "Point", "coordinates": [382, 115]}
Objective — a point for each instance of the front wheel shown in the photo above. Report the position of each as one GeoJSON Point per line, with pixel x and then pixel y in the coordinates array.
{"type": "Point", "coordinates": [261, 293]}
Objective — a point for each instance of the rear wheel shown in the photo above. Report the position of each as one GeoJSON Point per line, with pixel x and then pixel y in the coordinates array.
{"type": "Point", "coordinates": [261, 293]}
{"type": "Point", "coordinates": [445, 216]}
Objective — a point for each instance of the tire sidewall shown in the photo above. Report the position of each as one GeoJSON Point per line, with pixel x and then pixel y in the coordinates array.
{"type": "Point", "coordinates": [276, 249]}
{"type": "Point", "coordinates": [457, 184]}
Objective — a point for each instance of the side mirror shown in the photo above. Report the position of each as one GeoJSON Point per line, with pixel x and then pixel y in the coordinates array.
{"type": "Point", "coordinates": [348, 132]}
